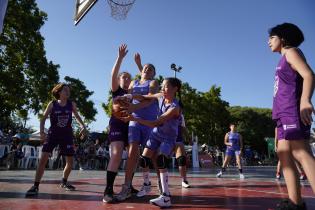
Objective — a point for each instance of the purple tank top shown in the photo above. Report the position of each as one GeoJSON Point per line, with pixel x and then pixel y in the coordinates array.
{"type": "Point", "coordinates": [150, 112]}
{"type": "Point", "coordinates": [119, 92]}
{"type": "Point", "coordinates": [169, 129]}
{"type": "Point", "coordinates": [287, 91]}
{"type": "Point", "coordinates": [61, 119]}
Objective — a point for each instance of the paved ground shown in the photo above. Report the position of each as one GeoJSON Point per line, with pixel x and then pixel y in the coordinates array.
{"type": "Point", "coordinates": [258, 191]}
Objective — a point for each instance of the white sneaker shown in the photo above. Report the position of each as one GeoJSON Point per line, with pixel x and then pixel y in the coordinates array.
{"type": "Point", "coordinates": [162, 201]}
{"type": "Point", "coordinates": [185, 184]}
{"type": "Point", "coordinates": [219, 175]}
{"type": "Point", "coordinates": [124, 193]}
{"type": "Point", "coordinates": [145, 189]}
{"type": "Point", "coordinates": [242, 176]}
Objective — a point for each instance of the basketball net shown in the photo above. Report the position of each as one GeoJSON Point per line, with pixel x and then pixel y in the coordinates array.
{"type": "Point", "coordinates": [120, 8]}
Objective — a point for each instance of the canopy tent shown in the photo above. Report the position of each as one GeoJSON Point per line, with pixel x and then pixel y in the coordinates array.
{"type": "Point", "coordinates": [36, 135]}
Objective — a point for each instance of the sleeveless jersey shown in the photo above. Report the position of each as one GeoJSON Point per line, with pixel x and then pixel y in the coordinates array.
{"type": "Point", "coordinates": [234, 138]}
{"type": "Point", "coordinates": [61, 120]}
{"type": "Point", "coordinates": [169, 129]}
{"type": "Point", "coordinates": [150, 112]}
{"type": "Point", "coordinates": [287, 91]}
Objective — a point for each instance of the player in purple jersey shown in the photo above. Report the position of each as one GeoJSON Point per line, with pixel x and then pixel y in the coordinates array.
{"type": "Point", "coordinates": [118, 130]}
{"type": "Point", "coordinates": [292, 110]}
{"type": "Point", "coordinates": [234, 146]}
{"type": "Point", "coordinates": [138, 134]}
{"type": "Point", "coordinates": [60, 133]}
{"type": "Point", "coordinates": [164, 134]}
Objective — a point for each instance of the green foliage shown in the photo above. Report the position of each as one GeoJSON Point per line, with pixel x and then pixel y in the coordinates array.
{"type": "Point", "coordinates": [80, 95]}
{"type": "Point", "coordinates": [254, 124]}
{"type": "Point", "coordinates": [26, 76]}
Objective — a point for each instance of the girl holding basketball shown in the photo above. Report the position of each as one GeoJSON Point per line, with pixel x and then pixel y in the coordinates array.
{"type": "Point", "coordinates": [118, 130]}
{"type": "Point", "coordinates": [292, 110]}
{"type": "Point", "coordinates": [163, 136]}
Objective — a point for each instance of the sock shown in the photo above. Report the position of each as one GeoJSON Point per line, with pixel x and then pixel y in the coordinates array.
{"type": "Point", "coordinates": [240, 170]}
{"type": "Point", "coordinates": [36, 184]}
{"type": "Point", "coordinates": [222, 169]}
{"type": "Point", "coordinates": [110, 178]}
{"type": "Point", "coordinates": [146, 179]}
{"type": "Point", "coordinates": [164, 182]}
{"type": "Point", "coordinates": [64, 181]}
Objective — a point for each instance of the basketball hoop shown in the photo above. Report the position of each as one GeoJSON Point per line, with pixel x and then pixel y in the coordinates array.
{"type": "Point", "coordinates": [120, 8]}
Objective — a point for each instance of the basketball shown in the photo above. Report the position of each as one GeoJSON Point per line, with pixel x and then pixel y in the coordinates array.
{"type": "Point", "coordinates": [119, 108]}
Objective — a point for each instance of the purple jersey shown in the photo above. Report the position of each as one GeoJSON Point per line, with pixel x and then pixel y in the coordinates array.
{"type": "Point", "coordinates": [150, 112]}
{"type": "Point", "coordinates": [169, 129]}
{"type": "Point", "coordinates": [234, 138]}
{"type": "Point", "coordinates": [61, 120]}
{"type": "Point", "coordinates": [287, 91]}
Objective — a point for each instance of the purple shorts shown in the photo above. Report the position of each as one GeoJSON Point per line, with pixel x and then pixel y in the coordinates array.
{"type": "Point", "coordinates": [65, 144]}
{"type": "Point", "coordinates": [291, 128]}
{"type": "Point", "coordinates": [232, 151]}
{"type": "Point", "coordinates": [163, 146]}
{"type": "Point", "coordinates": [118, 131]}
{"type": "Point", "coordinates": [138, 133]}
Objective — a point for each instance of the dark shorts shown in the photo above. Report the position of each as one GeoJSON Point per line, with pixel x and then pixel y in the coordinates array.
{"type": "Point", "coordinates": [65, 144]}
{"type": "Point", "coordinates": [118, 132]}
{"type": "Point", "coordinates": [291, 128]}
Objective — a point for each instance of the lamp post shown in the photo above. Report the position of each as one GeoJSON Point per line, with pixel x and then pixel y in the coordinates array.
{"type": "Point", "coordinates": [175, 68]}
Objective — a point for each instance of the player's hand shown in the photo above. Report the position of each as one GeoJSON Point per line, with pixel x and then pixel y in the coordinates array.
{"type": "Point", "coordinates": [128, 118]}
{"type": "Point", "coordinates": [83, 133]}
{"type": "Point", "coordinates": [137, 58]}
{"type": "Point", "coordinates": [306, 110]}
{"type": "Point", "coordinates": [122, 51]}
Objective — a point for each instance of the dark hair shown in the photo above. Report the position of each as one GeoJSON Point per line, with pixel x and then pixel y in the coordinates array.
{"type": "Point", "coordinates": [175, 83]}
{"type": "Point", "coordinates": [151, 66]}
{"type": "Point", "coordinates": [56, 90]}
{"type": "Point", "coordinates": [290, 33]}
{"type": "Point", "coordinates": [122, 73]}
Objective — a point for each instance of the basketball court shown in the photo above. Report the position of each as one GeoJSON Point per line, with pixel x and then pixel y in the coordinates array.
{"type": "Point", "coordinates": [259, 190]}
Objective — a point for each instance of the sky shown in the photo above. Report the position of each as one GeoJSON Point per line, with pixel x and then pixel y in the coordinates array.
{"type": "Point", "coordinates": [217, 42]}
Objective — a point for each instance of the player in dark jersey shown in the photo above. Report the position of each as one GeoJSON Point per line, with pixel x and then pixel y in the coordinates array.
{"type": "Point", "coordinates": [292, 110]}
{"type": "Point", "coordinates": [118, 130]}
{"type": "Point", "coordinates": [60, 133]}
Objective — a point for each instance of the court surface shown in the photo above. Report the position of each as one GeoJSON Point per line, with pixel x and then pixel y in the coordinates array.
{"type": "Point", "coordinates": [258, 191]}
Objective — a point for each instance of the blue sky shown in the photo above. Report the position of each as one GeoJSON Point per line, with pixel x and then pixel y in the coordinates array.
{"type": "Point", "coordinates": [220, 42]}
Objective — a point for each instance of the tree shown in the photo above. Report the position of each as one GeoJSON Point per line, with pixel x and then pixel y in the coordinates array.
{"type": "Point", "coordinates": [254, 124]}
{"type": "Point", "coordinates": [26, 76]}
{"type": "Point", "coordinates": [80, 95]}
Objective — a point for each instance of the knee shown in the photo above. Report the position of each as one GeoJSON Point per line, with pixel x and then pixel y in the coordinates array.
{"type": "Point", "coordinates": [181, 160]}
{"type": "Point", "coordinates": [161, 161]}
{"type": "Point", "coordinates": [144, 161]}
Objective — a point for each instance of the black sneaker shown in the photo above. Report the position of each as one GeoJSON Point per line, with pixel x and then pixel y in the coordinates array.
{"type": "Point", "coordinates": [133, 190]}
{"type": "Point", "coordinates": [33, 191]}
{"type": "Point", "coordinates": [289, 205]}
{"type": "Point", "coordinates": [108, 196]}
{"type": "Point", "coordinates": [67, 186]}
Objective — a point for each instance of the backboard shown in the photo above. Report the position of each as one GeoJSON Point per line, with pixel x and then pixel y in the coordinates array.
{"type": "Point", "coordinates": [81, 8]}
